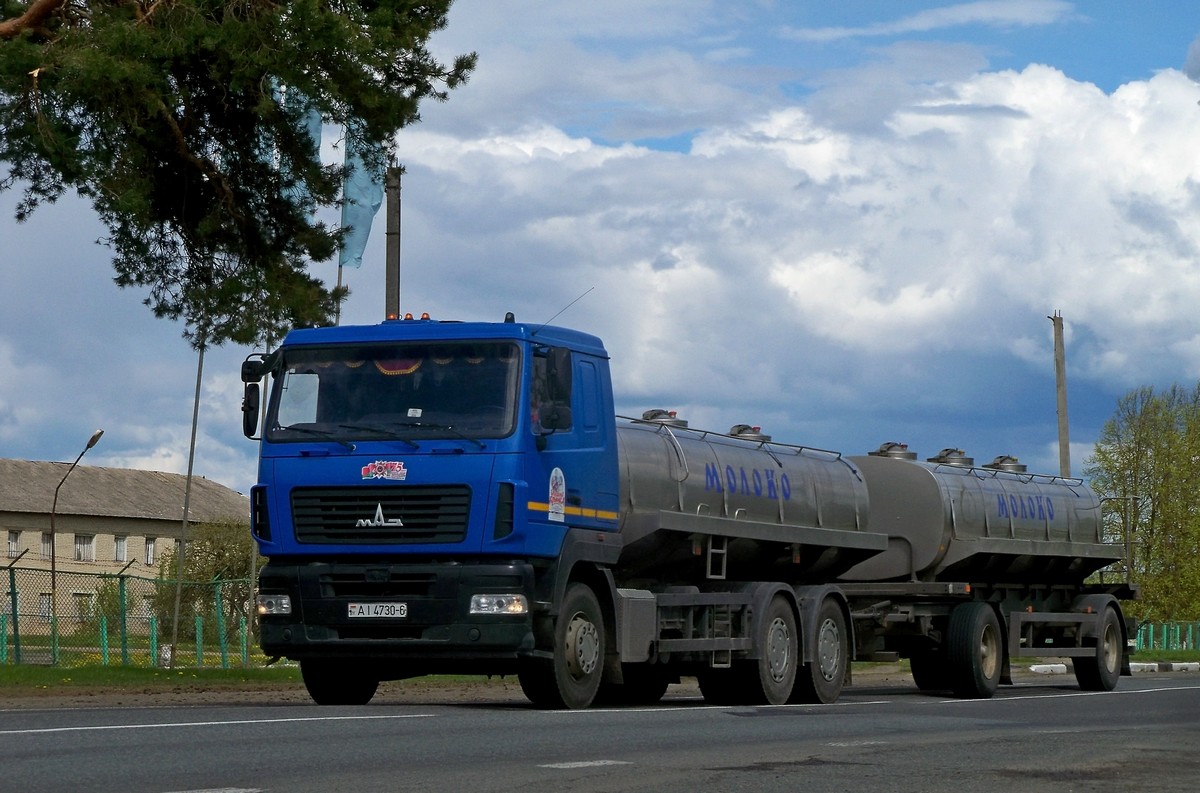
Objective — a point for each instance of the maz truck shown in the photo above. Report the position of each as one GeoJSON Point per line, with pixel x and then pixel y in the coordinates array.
{"type": "Point", "coordinates": [459, 497]}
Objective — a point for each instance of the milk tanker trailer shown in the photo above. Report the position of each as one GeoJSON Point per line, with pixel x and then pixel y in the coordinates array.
{"type": "Point", "coordinates": [443, 497]}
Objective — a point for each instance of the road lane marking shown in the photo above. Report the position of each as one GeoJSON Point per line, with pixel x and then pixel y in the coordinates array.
{"type": "Point", "coordinates": [585, 764]}
{"type": "Point", "coordinates": [44, 730]}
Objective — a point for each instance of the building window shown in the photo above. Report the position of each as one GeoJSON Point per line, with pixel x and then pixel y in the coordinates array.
{"type": "Point", "coordinates": [83, 605]}
{"type": "Point", "coordinates": [14, 544]}
{"type": "Point", "coordinates": [44, 601]}
{"type": "Point", "coordinates": [151, 557]}
{"type": "Point", "coordinates": [120, 549]}
{"type": "Point", "coordinates": [85, 548]}
{"type": "Point", "coordinates": [47, 545]}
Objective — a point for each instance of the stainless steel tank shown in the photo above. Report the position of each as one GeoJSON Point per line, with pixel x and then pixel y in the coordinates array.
{"type": "Point", "coordinates": [776, 510]}
{"type": "Point", "coordinates": [948, 519]}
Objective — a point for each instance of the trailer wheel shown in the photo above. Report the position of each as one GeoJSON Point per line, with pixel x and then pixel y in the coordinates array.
{"type": "Point", "coordinates": [820, 682]}
{"type": "Point", "coordinates": [330, 683]}
{"type": "Point", "coordinates": [974, 650]}
{"type": "Point", "coordinates": [1101, 671]}
{"type": "Point", "coordinates": [930, 670]}
{"type": "Point", "coordinates": [771, 679]}
{"type": "Point", "coordinates": [572, 677]}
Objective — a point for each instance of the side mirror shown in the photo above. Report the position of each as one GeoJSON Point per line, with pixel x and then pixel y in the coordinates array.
{"type": "Point", "coordinates": [251, 402]}
{"type": "Point", "coordinates": [558, 372]}
{"type": "Point", "coordinates": [252, 370]}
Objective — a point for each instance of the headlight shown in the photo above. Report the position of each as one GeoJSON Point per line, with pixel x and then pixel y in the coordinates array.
{"type": "Point", "coordinates": [499, 604]}
{"type": "Point", "coordinates": [274, 604]}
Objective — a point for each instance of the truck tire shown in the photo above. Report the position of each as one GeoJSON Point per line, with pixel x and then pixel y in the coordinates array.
{"type": "Point", "coordinates": [572, 677]}
{"type": "Point", "coordinates": [771, 679]}
{"type": "Point", "coordinates": [1101, 671]}
{"type": "Point", "coordinates": [821, 681]}
{"type": "Point", "coordinates": [974, 650]}
{"type": "Point", "coordinates": [644, 684]}
{"type": "Point", "coordinates": [722, 687]}
{"type": "Point", "coordinates": [930, 671]}
{"type": "Point", "coordinates": [331, 683]}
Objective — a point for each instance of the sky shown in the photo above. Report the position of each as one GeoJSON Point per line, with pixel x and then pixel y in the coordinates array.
{"type": "Point", "coordinates": [847, 223]}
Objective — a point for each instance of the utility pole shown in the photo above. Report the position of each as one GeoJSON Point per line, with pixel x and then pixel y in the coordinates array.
{"type": "Point", "coordinates": [391, 285]}
{"type": "Point", "coordinates": [1060, 380]}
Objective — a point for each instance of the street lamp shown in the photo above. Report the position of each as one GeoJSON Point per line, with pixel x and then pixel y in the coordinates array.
{"type": "Point", "coordinates": [92, 441]}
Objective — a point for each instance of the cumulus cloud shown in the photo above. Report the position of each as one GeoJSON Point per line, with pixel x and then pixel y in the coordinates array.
{"type": "Point", "coordinates": [842, 255]}
{"type": "Point", "coordinates": [789, 257]}
{"type": "Point", "coordinates": [994, 13]}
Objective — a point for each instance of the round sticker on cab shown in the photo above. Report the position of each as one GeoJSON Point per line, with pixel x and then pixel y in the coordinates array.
{"type": "Point", "coordinates": [558, 495]}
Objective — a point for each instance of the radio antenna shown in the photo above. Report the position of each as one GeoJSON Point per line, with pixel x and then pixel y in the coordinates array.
{"type": "Point", "coordinates": [561, 310]}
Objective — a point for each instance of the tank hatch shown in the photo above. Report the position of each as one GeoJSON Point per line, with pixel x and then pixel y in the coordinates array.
{"type": "Point", "coordinates": [1006, 462]}
{"type": "Point", "coordinates": [892, 449]}
{"type": "Point", "coordinates": [954, 457]}
{"type": "Point", "coordinates": [660, 416]}
{"type": "Point", "coordinates": [749, 433]}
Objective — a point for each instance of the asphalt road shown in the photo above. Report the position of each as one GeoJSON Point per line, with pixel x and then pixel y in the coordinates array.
{"type": "Point", "coordinates": [1036, 736]}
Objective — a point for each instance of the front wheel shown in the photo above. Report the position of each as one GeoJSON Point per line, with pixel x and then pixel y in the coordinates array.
{"type": "Point", "coordinates": [331, 683]}
{"type": "Point", "coordinates": [571, 678]}
{"type": "Point", "coordinates": [974, 650]}
{"type": "Point", "coordinates": [1101, 671]}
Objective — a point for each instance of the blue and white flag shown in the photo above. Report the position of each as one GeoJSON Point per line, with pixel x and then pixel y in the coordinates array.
{"type": "Point", "coordinates": [362, 195]}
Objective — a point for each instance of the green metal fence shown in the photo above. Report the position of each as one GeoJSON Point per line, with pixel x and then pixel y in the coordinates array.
{"type": "Point", "coordinates": [1168, 636]}
{"type": "Point", "coordinates": [78, 619]}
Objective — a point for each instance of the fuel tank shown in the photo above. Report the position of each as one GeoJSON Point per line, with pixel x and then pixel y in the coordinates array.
{"type": "Point", "coordinates": [769, 510]}
{"type": "Point", "coordinates": [948, 519]}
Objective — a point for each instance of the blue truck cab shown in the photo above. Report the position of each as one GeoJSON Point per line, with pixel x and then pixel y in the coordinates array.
{"type": "Point", "coordinates": [426, 492]}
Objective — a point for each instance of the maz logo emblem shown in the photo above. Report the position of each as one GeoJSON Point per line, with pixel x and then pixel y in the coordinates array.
{"type": "Point", "coordinates": [379, 519]}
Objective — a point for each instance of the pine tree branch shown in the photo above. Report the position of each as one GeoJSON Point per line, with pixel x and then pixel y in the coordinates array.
{"type": "Point", "coordinates": [34, 16]}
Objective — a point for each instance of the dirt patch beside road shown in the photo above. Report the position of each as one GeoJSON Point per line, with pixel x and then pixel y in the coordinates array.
{"type": "Point", "coordinates": [420, 691]}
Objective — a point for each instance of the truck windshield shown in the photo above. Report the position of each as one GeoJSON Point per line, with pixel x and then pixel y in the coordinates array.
{"type": "Point", "coordinates": [410, 392]}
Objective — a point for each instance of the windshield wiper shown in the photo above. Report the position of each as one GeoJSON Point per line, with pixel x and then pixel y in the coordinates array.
{"type": "Point", "coordinates": [382, 429]}
{"type": "Point", "coordinates": [426, 425]}
{"type": "Point", "coordinates": [323, 434]}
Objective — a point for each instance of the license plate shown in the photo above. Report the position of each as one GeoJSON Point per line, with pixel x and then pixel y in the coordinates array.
{"type": "Point", "coordinates": [384, 610]}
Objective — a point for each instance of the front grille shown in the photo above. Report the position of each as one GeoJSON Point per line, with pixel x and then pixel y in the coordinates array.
{"type": "Point", "coordinates": [381, 515]}
{"type": "Point", "coordinates": [359, 584]}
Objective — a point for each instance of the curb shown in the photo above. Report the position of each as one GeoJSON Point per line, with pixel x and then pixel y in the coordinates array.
{"type": "Point", "coordinates": [1136, 668]}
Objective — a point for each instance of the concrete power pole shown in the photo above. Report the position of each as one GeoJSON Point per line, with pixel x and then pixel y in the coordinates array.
{"type": "Point", "coordinates": [391, 281]}
{"type": "Point", "coordinates": [1060, 379]}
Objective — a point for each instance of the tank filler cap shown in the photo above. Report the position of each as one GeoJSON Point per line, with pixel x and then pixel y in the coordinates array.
{"type": "Point", "coordinates": [1006, 462]}
{"type": "Point", "coordinates": [660, 416]}
{"type": "Point", "coordinates": [952, 457]}
{"type": "Point", "coordinates": [748, 432]}
{"type": "Point", "coordinates": [898, 451]}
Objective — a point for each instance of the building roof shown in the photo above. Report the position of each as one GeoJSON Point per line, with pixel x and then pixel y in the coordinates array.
{"type": "Point", "coordinates": [28, 486]}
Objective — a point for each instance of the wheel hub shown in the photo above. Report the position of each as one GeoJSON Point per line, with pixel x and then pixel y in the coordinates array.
{"type": "Point", "coordinates": [829, 650]}
{"type": "Point", "coordinates": [583, 646]}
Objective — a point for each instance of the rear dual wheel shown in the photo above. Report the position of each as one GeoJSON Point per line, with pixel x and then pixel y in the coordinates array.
{"type": "Point", "coordinates": [767, 680]}
{"type": "Point", "coordinates": [821, 680]}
